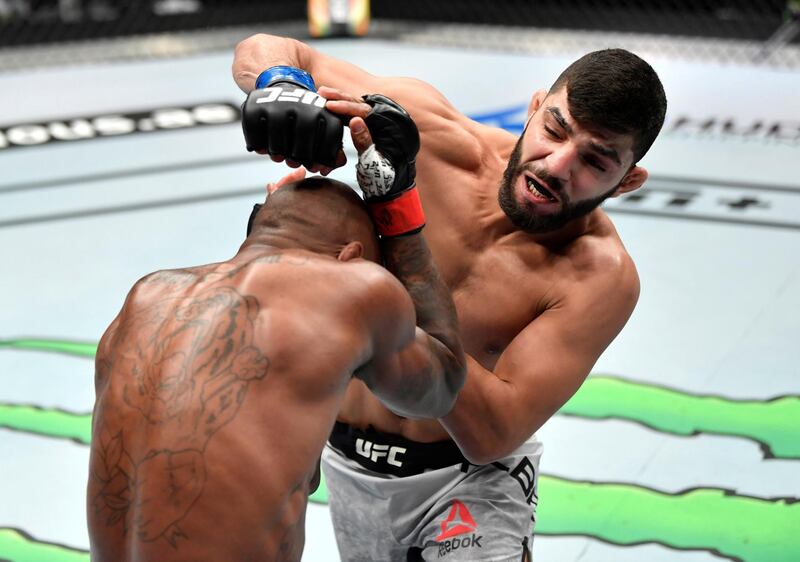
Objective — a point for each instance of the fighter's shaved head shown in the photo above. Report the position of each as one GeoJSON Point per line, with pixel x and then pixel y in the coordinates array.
{"type": "Point", "coordinates": [322, 211]}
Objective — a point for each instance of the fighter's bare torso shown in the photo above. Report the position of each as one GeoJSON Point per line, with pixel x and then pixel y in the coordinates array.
{"type": "Point", "coordinates": [501, 278]}
{"type": "Point", "coordinates": [212, 408]}
{"type": "Point", "coordinates": [535, 311]}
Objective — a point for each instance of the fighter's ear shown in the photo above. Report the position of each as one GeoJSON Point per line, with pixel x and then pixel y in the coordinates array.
{"type": "Point", "coordinates": [352, 250]}
{"type": "Point", "coordinates": [633, 180]}
{"type": "Point", "coordinates": [536, 101]}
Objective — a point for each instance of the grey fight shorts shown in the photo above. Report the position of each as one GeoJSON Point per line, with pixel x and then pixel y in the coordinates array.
{"type": "Point", "coordinates": [389, 505]}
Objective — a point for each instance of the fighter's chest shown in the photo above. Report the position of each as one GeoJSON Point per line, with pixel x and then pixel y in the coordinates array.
{"type": "Point", "coordinates": [497, 293]}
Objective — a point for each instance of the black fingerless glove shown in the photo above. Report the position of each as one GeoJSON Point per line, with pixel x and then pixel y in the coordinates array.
{"type": "Point", "coordinates": [386, 171]}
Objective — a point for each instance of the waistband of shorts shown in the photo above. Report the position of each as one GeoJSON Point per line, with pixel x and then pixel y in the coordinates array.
{"type": "Point", "coordinates": [388, 453]}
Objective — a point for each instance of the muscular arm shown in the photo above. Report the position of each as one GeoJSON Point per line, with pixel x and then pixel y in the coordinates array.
{"type": "Point", "coordinates": [259, 52]}
{"type": "Point", "coordinates": [410, 260]}
{"type": "Point", "coordinates": [545, 364]}
{"type": "Point", "coordinates": [442, 127]}
{"type": "Point", "coordinates": [422, 378]}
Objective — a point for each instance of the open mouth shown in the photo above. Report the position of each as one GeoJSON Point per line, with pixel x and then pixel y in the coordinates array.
{"type": "Point", "coordinates": [539, 190]}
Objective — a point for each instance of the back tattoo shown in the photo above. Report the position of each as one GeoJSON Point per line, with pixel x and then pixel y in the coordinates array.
{"type": "Point", "coordinates": [187, 364]}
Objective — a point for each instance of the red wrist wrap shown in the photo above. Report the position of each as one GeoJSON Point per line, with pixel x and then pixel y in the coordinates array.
{"type": "Point", "coordinates": [401, 215]}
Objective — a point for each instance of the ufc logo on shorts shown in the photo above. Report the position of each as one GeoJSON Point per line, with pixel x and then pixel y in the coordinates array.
{"type": "Point", "coordinates": [374, 451]}
{"type": "Point", "coordinates": [299, 95]}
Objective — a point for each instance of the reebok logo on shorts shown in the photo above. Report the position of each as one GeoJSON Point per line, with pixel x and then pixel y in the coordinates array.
{"type": "Point", "coordinates": [459, 522]}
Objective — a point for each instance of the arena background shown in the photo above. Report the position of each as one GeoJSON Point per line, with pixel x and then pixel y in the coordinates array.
{"type": "Point", "coordinates": [121, 153]}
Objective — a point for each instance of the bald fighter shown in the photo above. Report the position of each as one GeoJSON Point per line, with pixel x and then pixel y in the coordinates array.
{"type": "Point", "coordinates": [541, 281]}
{"type": "Point", "coordinates": [217, 386]}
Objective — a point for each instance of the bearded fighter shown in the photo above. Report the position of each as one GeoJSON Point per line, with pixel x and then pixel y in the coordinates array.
{"type": "Point", "coordinates": [541, 281]}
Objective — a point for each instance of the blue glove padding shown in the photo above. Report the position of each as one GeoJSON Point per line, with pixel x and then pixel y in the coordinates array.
{"type": "Point", "coordinates": [288, 118]}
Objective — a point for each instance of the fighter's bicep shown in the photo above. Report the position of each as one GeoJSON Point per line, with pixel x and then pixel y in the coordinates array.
{"type": "Point", "coordinates": [411, 358]}
{"type": "Point", "coordinates": [429, 108]}
{"type": "Point", "coordinates": [391, 315]}
{"type": "Point", "coordinates": [545, 364]}
{"type": "Point", "coordinates": [399, 347]}
{"type": "Point", "coordinates": [403, 379]}
{"type": "Point", "coordinates": [444, 129]}
{"type": "Point", "coordinates": [548, 361]}
{"type": "Point", "coordinates": [338, 73]}
{"type": "Point", "coordinates": [446, 134]}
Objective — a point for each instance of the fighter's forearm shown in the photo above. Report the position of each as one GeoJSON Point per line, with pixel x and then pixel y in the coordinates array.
{"type": "Point", "coordinates": [259, 52]}
{"type": "Point", "coordinates": [410, 260]}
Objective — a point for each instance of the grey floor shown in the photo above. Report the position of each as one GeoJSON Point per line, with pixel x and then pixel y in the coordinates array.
{"type": "Point", "coordinates": [715, 234]}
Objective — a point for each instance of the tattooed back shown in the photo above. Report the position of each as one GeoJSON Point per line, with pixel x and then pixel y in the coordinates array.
{"type": "Point", "coordinates": [216, 389]}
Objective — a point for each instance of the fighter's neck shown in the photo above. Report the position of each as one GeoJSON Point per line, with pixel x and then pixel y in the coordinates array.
{"type": "Point", "coordinates": [570, 231]}
{"type": "Point", "coordinates": [272, 244]}
{"type": "Point", "coordinates": [501, 227]}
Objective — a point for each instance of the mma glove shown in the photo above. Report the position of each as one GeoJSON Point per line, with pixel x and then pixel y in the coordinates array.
{"type": "Point", "coordinates": [386, 170]}
{"type": "Point", "coordinates": [285, 116]}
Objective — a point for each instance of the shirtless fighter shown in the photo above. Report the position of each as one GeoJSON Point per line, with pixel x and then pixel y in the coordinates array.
{"type": "Point", "coordinates": [540, 278]}
{"type": "Point", "coordinates": [217, 386]}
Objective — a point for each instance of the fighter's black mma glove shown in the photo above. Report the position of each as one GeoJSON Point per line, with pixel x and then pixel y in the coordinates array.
{"type": "Point", "coordinates": [286, 117]}
{"type": "Point", "coordinates": [386, 170]}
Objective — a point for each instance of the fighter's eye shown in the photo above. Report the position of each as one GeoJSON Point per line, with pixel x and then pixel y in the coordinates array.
{"type": "Point", "coordinates": [551, 132]}
{"type": "Point", "coordinates": [594, 163]}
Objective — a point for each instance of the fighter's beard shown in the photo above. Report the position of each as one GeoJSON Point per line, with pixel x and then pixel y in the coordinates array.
{"type": "Point", "coordinates": [525, 218]}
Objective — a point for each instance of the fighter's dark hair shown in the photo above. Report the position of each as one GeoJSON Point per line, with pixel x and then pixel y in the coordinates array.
{"type": "Point", "coordinates": [343, 193]}
{"type": "Point", "coordinates": [615, 90]}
